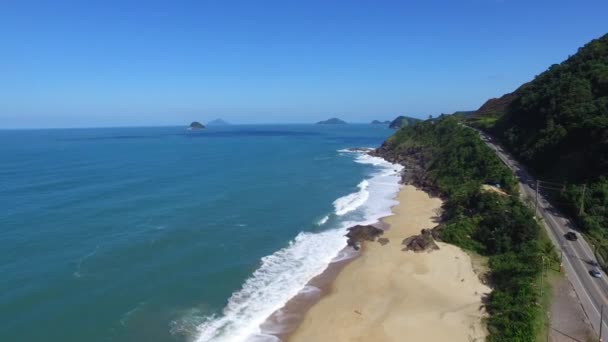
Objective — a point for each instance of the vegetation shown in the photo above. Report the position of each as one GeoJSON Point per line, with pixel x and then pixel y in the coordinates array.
{"type": "Point", "coordinates": [557, 125]}
{"type": "Point", "coordinates": [403, 121]}
{"type": "Point", "coordinates": [456, 163]}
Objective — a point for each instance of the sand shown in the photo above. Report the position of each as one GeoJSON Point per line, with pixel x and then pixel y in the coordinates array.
{"type": "Point", "coordinates": [390, 295]}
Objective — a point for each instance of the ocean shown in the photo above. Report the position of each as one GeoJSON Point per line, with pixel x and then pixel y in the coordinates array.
{"type": "Point", "coordinates": [165, 234]}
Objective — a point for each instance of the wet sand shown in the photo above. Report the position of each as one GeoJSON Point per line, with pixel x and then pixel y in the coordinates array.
{"type": "Point", "coordinates": [387, 294]}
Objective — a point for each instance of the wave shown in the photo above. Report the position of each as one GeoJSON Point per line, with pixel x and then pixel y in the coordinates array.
{"type": "Point", "coordinates": [350, 202]}
{"type": "Point", "coordinates": [285, 274]}
{"type": "Point", "coordinates": [323, 220]}
{"type": "Point", "coordinates": [279, 278]}
{"type": "Point", "coordinates": [356, 150]}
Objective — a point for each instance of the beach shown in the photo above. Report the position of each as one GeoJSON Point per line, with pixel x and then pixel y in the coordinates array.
{"type": "Point", "coordinates": [388, 294]}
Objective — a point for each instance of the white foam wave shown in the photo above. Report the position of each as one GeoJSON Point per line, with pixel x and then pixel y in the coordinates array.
{"type": "Point", "coordinates": [285, 273]}
{"type": "Point", "coordinates": [323, 220]}
{"type": "Point", "coordinates": [350, 202]}
{"type": "Point", "coordinates": [278, 279]}
{"type": "Point", "coordinates": [356, 150]}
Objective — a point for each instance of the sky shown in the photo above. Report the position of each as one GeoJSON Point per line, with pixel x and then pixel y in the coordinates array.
{"type": "Point", "coordinates": [147, 63]}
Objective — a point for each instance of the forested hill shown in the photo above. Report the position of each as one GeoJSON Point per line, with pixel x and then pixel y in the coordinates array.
{"type": "Point", "coordinates": [558, 123]}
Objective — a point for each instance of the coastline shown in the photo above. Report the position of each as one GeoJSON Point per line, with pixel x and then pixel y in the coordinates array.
{"type": "Point", "coordinates": [386, 294]}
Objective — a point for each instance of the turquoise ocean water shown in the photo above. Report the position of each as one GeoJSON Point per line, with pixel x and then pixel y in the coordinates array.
{"type": "Point", "coordinates": [164, 234]}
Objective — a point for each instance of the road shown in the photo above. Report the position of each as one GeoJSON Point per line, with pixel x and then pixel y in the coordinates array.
{"type": "Point", "coordinates": [578, 257]}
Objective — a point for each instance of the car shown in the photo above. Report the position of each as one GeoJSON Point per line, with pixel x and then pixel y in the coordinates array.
{"type": "Point", "coordinates": [571, 236]}
{"type": "Point", "coordinates": [595, 273]}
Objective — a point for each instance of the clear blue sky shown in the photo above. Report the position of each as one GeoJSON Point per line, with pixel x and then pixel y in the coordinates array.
{"type": "Point", "coordinates": [117, 63]}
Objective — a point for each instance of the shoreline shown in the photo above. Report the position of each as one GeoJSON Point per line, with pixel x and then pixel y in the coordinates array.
{"type": "Point", "coordinates": [383, 293]}
{"type": "Point", "coordinates": [285, 321]}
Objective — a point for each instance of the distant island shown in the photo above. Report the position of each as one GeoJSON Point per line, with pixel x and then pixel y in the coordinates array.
{"type": "Point", "coordinates": [217, 122]}
{"type": "Point", "coordinates": [332, 121]}
{"type": "Point", "coordinates": [378, 122]}
{"type": "Point", "coordinates": [196, 125]}
{"type": "Point", "coordinates": [403, 121]}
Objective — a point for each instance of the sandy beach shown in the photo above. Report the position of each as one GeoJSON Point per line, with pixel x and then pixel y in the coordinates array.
{"type": "Point", "coordinates": [390, 295]}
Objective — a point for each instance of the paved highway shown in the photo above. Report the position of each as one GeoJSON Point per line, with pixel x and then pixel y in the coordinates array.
{"type": "Point", "coordinates": [578, 257]}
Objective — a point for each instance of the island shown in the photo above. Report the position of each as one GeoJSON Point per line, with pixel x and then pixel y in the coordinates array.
{"type": "Point", "coordinates": [378, 122]}
{"type": "Point", "coordinates": [217, 122]}
{"type": "Point", "coordinates": [332, 121]}
{"type": "Point", "coordinates": [196, 125]}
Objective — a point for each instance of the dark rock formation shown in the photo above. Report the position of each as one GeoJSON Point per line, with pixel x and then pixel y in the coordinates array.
{"type": "Point", "coordinates": [415, 160]}
{"type": "Point", "coordinates": [332, 121]}
{"type": "Point", "coordinates": [359, 233]}
{"type": "Point", "coordinates": [420, 243]}
{"type": "Point", "coordinates": [383, 241]}
{"type": "Point", "coordinates": [196, 125]}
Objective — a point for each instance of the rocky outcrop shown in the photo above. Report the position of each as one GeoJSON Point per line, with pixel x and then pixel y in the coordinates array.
{"type": "Point", "coordinates": [332, 121]}
{"type": "Point", "coordinates": [383, 241]}
{"type": "Point", "coordinates": [359, 233]}
{"type": "Point", "coordinates": [415, 160]}
{"type": "Point", "coordinates": [196, 125]}
{"type": "Point", "coordinates": [420, 243]}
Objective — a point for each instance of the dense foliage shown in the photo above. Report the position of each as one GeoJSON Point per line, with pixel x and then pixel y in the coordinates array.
{"type": "Point", "coordinates": [403, 121]}
{"type": "Point", "coordinates": [557, 125]}
{"type": "Point", "coordinates": [456, 163]}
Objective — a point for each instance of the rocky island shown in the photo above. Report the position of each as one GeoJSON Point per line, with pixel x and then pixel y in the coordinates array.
{"type": "Point", "coordinates": [217, 122]}
{"type": "Point", "coordinates": [332, 121]}
{"type": "Point", "coordinates": [196, 125]}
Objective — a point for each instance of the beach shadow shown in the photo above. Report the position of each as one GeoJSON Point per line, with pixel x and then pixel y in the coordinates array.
{"type": "Point", "coordinates": [591, 263]}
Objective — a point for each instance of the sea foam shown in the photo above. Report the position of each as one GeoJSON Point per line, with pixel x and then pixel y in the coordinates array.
{"type": "Point", "coordinates": [286, 273]}
{"type": "Point", "coordinates": [350, 202]}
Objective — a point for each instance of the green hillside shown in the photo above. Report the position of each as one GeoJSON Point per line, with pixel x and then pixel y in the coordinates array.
{"type": "Point", "coordinates": [403, 121]}
{"type": "Point", "coordinates": [451, 160]}
{"type": "Point", "coordinates": [557, 125]}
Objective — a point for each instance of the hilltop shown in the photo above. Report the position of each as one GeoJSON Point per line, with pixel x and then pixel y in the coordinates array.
{"type": "Point", "coordinates": [403, 121]}
{"type": "Point", "coordinates": [557, 125]}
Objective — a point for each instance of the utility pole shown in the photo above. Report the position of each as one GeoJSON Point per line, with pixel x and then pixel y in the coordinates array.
{"type": "Point", "coordinates": [582, 207]}
{"type": "Point", "coordinates": [601, 321]}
